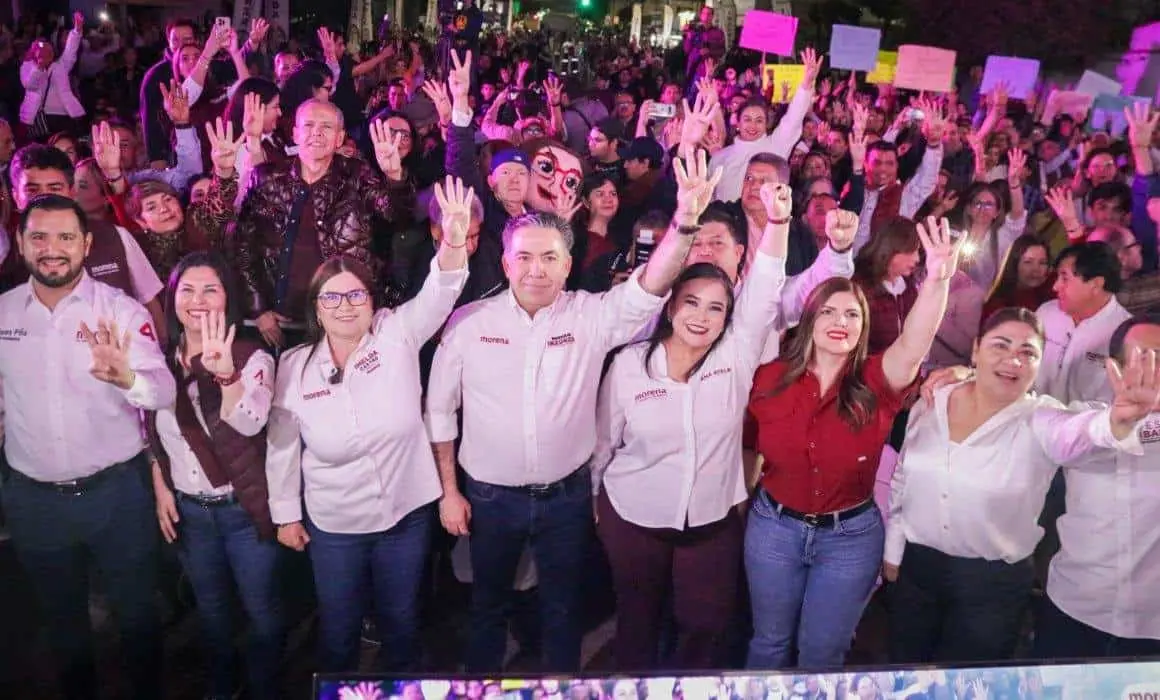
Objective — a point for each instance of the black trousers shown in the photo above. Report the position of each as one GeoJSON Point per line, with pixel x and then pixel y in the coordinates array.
{"type": "Point", "coordinates": [951, 609]}
{"type": "Point", "coordinates": [1061, 636]}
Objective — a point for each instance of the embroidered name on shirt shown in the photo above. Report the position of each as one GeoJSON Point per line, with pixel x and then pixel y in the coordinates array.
{"type": "Point", "coordinates": [369, 363]}
{"type": "Point", "coordinates": [106, 269]}
{"type": "Point", "coordinates": [1096, 357]}
{"type": "Point", "coordinates": [651, 394]}
{"type": "Point", "coordinates": [13, 333]}
{"type": "Point", "coordinates": [316, 395]}
{"type": "Point", "coordinates": [1150, 431]}
{"type": "Point", "coordinates": [716, 373]}
{"type": "Point", "coordinates": [562, 339]}
{"type": "Point", "coordinates": [494, 340]}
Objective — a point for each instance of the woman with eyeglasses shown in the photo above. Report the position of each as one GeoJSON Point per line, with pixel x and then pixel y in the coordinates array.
{"type": "Point", "coordinates": [988, 227]}
{"type": "Point", "coordinates": [346, 432]}
{"type": "Point", "coordinates": [209, 473]}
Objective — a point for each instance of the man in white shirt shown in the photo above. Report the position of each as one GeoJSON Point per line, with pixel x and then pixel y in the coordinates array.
{"type": "Point", "coordinates": [525, 368]}
{"type": "Point", "coordinates": [78, 361]}
{"type": "Point", "coordinates": [1101, 592]}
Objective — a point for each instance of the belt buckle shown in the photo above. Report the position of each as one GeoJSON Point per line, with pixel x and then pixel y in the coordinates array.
{"type": "Point", "coordinates": [539, 490]}
{"type": "Point", "coordinates": [72, 487]}
{"type": "Point", "coordinates": [812, 519]}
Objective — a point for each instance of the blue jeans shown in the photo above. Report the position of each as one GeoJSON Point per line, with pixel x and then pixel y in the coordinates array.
{"type": "Point", "coordinates": [113, 526]}
{"type": "Point", "coordinates": [808, 585]}
{"type": "Point", "coordinates": [385, 567]}
{"type": "Point", "coordinates": [219, 549]}
{"type": "Point", "coordinates": [558, 524]}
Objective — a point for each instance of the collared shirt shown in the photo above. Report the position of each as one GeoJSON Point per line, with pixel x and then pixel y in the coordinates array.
{"type": "Point", "coordinates": [669, 452]}
{"type": "Point", "coordinates": [1073, 368]}
{"type": "Point", "coordinates": [734, 159]}
{"type": "Point", "coordinates": [358, 444]}
{"type": "Point", "coordinates": [914, 194]}
{"type": "Point", "coordinates": [981, 498]}
{"type": "Point", "coordinates": [528, 385]}
{"type": "Point", "coordinates": [60, 422]}
{"type": "Point", "coordinates": [815, 462]}
{"type": "Point", "coordinates": [248, 417]}
{"type": "Point", "coordinates": [1107, 571]}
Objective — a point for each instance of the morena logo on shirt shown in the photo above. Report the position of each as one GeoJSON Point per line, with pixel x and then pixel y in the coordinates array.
{"type": "Point", "coordinates": [650, 395]}
{"type": "Point", "coordinates": [15, 333]}
{"type": "Point", "coordinates": [493, 340]}
{"type": "Point", "coordinates": [316, 394]}
{"type": "Point", "coordinates": [106, 269]}
{"type": "Point", "coordinates": [369, 362]}
{"type": "Point", "coordinates": [562, 339]}
{"type": "Point", "coordinates": [716, 373]}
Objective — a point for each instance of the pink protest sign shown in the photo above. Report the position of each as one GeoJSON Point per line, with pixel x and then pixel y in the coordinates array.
{"type": "Point", "coordinates": [769, 32]}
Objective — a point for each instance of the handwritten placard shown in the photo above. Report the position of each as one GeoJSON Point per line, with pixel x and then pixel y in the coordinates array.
{"type": "Point", "coordinates": [1107, 113]}
{"type": "Point", "coordinates": [769, 32]}
{"type": "Point", "coordinates": [778, 74]}
{"type": "Point", "coordinates": [1075, 104]}
{"type": "Point", "coordinates": [1020, 75]}
{"type": "Point", "coordinates": [883, 73]}
{"type": "Point", "coordinates": [1095, 84]}
{"type": "Point", "coordinates": [925, 68]}
{"type": "Point", "coordinates": [854, 48]}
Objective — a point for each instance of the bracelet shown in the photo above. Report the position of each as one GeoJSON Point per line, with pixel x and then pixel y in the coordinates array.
{"type": "Point", "coordinates": [688, 230]}
{"type": "Point", "coordinates": [229, 380]}
{"type": "Point", "coordinates": [115, 179]}
{"type": "Point", "coordinates": [454, 247]}
{"type": "Point", "coordinates": [780, 222]}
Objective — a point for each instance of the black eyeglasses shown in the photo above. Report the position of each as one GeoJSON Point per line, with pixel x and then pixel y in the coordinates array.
{"type": "Point", "coordinates": [333, 300]}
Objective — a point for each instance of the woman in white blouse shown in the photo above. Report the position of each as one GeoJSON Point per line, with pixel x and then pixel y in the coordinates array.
{"type": "Point", "coordinates": [209, 472]}
{"type": "Point", "coordinates": [346, 428]}
{"type": "Point", "coordinates": [46, 83]}
{"type": "Point", "coordinates": [969, 487]}
{"type": "Point", "coordinates": [668, 454]}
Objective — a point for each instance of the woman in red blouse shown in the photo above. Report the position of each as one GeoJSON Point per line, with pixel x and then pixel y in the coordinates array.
{"type": "Point", "coordinates": [813, 543]}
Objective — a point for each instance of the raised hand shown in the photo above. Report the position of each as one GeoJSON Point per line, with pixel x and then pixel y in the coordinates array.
{"type": "Point", "coordinates": [175, 102]}
{"type": "Point", "coordinates": [935, 124]}
{"type": "Point", "coordinates": [455, 207]}
{"type": "Point", "coordinates": [217, 342]}
{"type": "Point", "coordinates": [841, 227]}
{"type": "Point", "coordinates": [253, 116]}
{"type": "Point", "coordinates": [387, 150]}
{"type": "Point", "coordinates": [554, 89]}
{"type": "Point", "coordinates": [327, 40]}
{"type": "Point", "coordinates": [459, 77]}
{"type": "Point", "coordinates": [705, 86]}
{"type": "Point", "coordinates": [778, 201]}
{"type": "Point", "coordinates": [110, 350]}
{"type": "Point", "coordinates": [78, 22]}
{"type": "Point", "coordinates": [223, 148]}
{"type": "Point", "coordinates": [106, 143]}
{"type": "Point", "coordinates": [695, 187]}
{"type": "Point", "coordinates": [439, 95]}
{"type": "Point", "coordinates": [1016, 162]}
{"type": "Point", "coordinates": [942, 250]}
{"type": "Point", "coordinates": [698, 119]}
{"type": "Point", "coordinates": [1141, 123]}
{"type": "Point", "coordinates": [979, 690]}
{"type": "Point", "coordinates": [364, 690]}
{"type": "Point", "coordinates": [566, 205]}
{"type": "Point", "coordinates": [1062, 203]}
{"type": "Point", "coordinates": [1136, 387]}
{"type": "Point", "coordinates": [813, 63]}
{"type": "Point", "coordinates": [258, 29]}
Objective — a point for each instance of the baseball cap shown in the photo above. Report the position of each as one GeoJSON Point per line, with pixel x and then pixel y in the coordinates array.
{"type": "Point", "coordinates": [507, 155]}
{"type": "Point", "coordinates": [643, 148]}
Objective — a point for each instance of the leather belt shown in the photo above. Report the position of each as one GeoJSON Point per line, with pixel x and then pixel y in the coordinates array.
{"type": "Point", "coordinates": [546, 490]}
{"type": "Point", "coordinates": [77, 487]}
{"type": "Point", "coordinates": [820, 519]}
{"type": "Point", "coordinates": [209, 501]}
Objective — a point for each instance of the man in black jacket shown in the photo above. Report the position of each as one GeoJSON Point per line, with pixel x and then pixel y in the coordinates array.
{"type": "Point", "coordinates": [178, 33]}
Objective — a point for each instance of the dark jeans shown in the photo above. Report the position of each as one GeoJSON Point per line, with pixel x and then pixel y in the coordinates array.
{"type": "Point", "coordinates": [955, 610]}
{"type": "Point", "coordinates": [1061, 636]}
{"type": "Point", "coordinates": [220, 550]}
{"type": "Point", "coordinates": [385, 568]}
{"type": "Point", "coordinates": [698, 566]}
{"type": "Point", "coordinates": [113, 526]}
{"type": "Point", "coordinates": [558, 524]}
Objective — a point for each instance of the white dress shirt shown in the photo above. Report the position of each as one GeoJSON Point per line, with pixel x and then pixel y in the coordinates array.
{"type": "Point", "coordinates": [60, 422]}
{"type": "Point", "coordinates": [1107, 571]}
{"type": "Point", "coordinates": [981, 498]}
{"type": "Point", "coordinates": [914, 193]}
{"type": "Point", "coordinates": [734, 159]}
{"type": "Point", "coordinates": [1073, 368]}
{"type": "Point", "coordinates": [528, 385]}
{"type": "Point", "coordinates": [667, 450]}
{"type": "Point", "coordinates": [358, 445]}
{"type": "Point", "coordinates": [248, 417]}
{"type": "Point", "coordinates": [60, 101]}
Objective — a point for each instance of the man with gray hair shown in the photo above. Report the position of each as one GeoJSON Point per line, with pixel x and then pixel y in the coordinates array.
{"type": "Point", "coordinates": [525, 369]}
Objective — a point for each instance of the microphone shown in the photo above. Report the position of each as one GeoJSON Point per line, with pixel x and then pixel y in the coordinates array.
{"type": "Point", "coordinates": [335, 377]}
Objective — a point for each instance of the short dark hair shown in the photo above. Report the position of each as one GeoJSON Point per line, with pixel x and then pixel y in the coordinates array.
{"type": "Point", "coordinates": [1112, 190]}
{"type": "Point", "coordinates": [1091, 260]}
{"type": "Point", "coordinates": [54, 202]}
{"type": "Point", "coordinates": [1116, 344]}
{"type": "Point", "coordinates": [179, 22]}
{"type": "Point", "coordinates": [881, 146]}
{"type": "Point", "coordinates": [718, 213]}
{"type": "Point", "coordinates": [1013, 314]}
{"type": "Point", "coordinates": [781, 165]}
{"type": "Point", "coordinates": [37, 156]}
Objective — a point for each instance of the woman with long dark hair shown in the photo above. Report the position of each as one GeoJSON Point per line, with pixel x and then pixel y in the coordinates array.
{"type": "Point", "coordinates": [261, 99]}
{"type": "Point", "coordinates": [365, 467]}
{"type": "Point", "coordinates": [823, 412]}
{"type": "Point", "coordinates": [1025, 280]}
{"type": "Point", "coordinates": [599, 235]}
{"type": "Point", "coordinates": [989, 226]}
{"type": "Point", "coordinates": [668, 455]}
{"type": "Point", "coordinates": [209, 476]}
{"type": "Point", "coordinates": [971, 482]}
{"type": "Point", "coordinates": [884, 269]}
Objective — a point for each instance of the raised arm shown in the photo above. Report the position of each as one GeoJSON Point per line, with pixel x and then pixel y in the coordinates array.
{"type": "Point", "coordinates": [904, 357]}
{"type": "Point", "coordinates": [835, 260]}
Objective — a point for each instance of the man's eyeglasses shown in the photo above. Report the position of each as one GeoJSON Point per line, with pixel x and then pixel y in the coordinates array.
{"type": "Point", "coordinates": [333, 300]}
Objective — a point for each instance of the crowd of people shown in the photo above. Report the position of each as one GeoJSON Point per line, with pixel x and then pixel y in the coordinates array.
{"type": "Point", "coordinates": [769, 354]}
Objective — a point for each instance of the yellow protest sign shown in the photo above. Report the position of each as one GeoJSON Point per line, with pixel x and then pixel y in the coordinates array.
{"type": "Point", "coordinates": [778, 73]}
{"type": "Point", "coordinates": [883, 72]}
